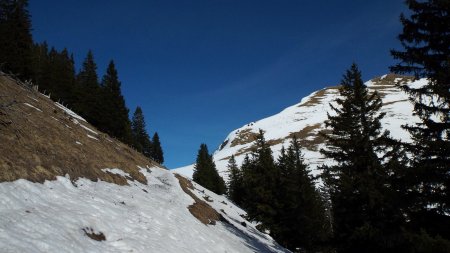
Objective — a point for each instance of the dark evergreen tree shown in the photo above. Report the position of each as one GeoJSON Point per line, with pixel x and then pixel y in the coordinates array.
{"type": "Point", "coordinates": [426, 42]}
{"type": "Point", "coordinates": [157, 152]}
{"type": "Point", "coordinates": [41, 66]}
{"type": "Point", "coordinates": [15, 38]}
{"type": "Point", "coordinates": [61, 76]}
{"type": "Point", "coordinates": [54, 73]}
{"type": "Point", "coordinates": [363, 217]}
{"type": "Point", "coordinates": [260, 177]}
{"type": "Point", "coordinates": [235, 182]}
{"type": "Point", "coordinates": [141, 139]}
{"type": "Point", "coordinates": [301, 220]}
{"type": "Point", "coordinates": [89, 95]}
{"type": "Point", "coordinates": [205, 172]}
{"type": "Point", "coordinates": [40, 61]}
{"type": "Point", "coordinates": [115, 111]}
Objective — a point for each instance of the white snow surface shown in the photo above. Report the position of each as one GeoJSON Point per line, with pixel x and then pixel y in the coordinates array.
{"type": "Point", "coordinates": [312, 110]}
{"type": "Point", "coordinates": [32, 106]}
{"type": "Point", "coordinates": [69, 112]}
{"type": "Point", "coordinates": [50, 217]}
{"type": "Point", "coordinates": [92, 137]}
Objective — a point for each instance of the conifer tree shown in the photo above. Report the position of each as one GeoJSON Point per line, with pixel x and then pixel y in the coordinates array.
{"type": "Point", "coordinates": [141, 139]}
{"type": "Point", "coordinates": [157, 152]}
{"type": "Point", "coordinates": [301, 221]}
{"type": "Point", "coordinates": [426, 53]}
{"type": "Point", "coordinates": [260, 177]}
{"type": "Point", "coordinates": [363, 218]}
{"type": "Point", "coordinates": [41, 65]}
{"type": "Point", "coordinates": [205, 172]}
{"type": "Point", "coordinates": [54, 73]}
{"type": "Point", "coordinates": [16, 41]}
{"type": "Point", "coordinates": [115, 111]}
{"type": "Point", "coordinates": [89, 94]}
{"type": "Point", "coordinates": [235, 182]}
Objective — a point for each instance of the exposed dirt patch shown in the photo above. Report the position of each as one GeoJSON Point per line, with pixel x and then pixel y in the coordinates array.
{"type": "Point", "coordinates": [392, 80]}
{"type": "Point", "coordinates": [243, 137]}
{"type": "Point", "coordinates": [40, 141]}
{"type": "Point", "coordinates": [93, 235]}
{"type": "Point", "coordinates": [308, 138]}
{"type": "Point", "coordinates": [200, 209]}
{"type": "Point", "coordinates": [318, 96]}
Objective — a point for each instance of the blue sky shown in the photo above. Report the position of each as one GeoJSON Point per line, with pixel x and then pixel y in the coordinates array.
{"type": "Point", "coordinates": [202, 68]}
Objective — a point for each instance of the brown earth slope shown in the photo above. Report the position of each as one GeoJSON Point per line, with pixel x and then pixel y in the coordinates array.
{"type": "Point", "coordinates": [39, 140]}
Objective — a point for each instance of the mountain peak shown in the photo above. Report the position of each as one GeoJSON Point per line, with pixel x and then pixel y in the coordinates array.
{"type": "Point", "coordinates": [307, 118]}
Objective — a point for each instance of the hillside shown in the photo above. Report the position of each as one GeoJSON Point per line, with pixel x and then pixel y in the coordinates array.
{"type": "Point", "coordinates": [307, 118]}
{"type": "Point", "coordinates": [67, 187]}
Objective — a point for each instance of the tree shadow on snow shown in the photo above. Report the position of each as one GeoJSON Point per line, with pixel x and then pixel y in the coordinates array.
{"type": "Point", "coordinates": [252, 242]}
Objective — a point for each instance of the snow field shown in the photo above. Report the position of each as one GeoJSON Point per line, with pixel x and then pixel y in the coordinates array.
{"type": "Point", "coordinates": [50, 217]}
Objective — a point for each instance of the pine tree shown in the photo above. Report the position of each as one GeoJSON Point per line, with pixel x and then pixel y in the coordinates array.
{"type": "Point", "coordinates": [301, 220]}
{"type": "Point", "coordinates": [235, 182]}
{"type": "Point", "coordinates": [157, 152]}
{"type": "Point", "coordinates": [89, 94]}
{"type": "Point", "coordinates": [16, 41]}
{"type": "Point", "coordinates": [205, 172]}
{"type": "Point", "coordinates": [41, 66]}
{"type": "Point", "coordinates": [358, 182]}
{"type": "Point", "coordinates": [115, 111]}
{"type": "Point", "coordinates": [426, 42]}
{"type": "Point", "coordinates": [141, 139]}
{"type": "Point", "coordinates": [260, 177]}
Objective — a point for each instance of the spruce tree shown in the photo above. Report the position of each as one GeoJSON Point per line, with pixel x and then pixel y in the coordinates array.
{"type": "Point", "coordinates": [426, 53]}
{"type": "Point", "coordinates": [89, 94]}
{"type": "Point", "coordinates": [141, 139]}
{"type": "Point", "coordinates": [363, 220]}
{"type": "Point", "coordinates": [205, 172]}
{"type": "Point", "coordinates": [157, 152]}
{"type": "Point", "coordinates": [301, 221]}
{"type": "Point", "coordinates": [260, 177]}
{"type": "Point", "coordinates": [115, 111]}
{"type": "Point", "coordinates": [235, 182]}
{"type": "Point", "coordinates": [41, 66]}
{"type": "Point", "coordinates": [16, 41]}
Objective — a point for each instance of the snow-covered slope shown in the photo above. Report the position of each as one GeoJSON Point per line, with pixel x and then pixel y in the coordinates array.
{"type": "Point", "coordinates": [307, 118]}
{"type": "Point", "coordinates": [57, 216]}
{"type": "Point", "coordinates": [67, 187]}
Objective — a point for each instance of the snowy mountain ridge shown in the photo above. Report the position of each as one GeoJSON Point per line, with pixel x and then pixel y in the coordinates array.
{"type": "Point", "coordinates": [307, 118]}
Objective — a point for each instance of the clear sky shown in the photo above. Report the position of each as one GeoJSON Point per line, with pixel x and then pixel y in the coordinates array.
{"type": "Point", "coordinates": [202, 68]}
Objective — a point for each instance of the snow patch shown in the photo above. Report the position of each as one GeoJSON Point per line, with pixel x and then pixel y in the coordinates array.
{"type": "Point", "coordinates": [37, 109]}
{"type": "Point", "coordinates": [117, 172]}
{"type": "Point", "coordinates": [88, 129]}
{"type": "Point", "coordinates": [92, 137]}
{"type": "Point", "coordinates": [70, 112]}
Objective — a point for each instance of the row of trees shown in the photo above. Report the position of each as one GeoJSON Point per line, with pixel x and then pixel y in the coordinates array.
{"type": "Point", "coordinates": [100, 102]}
{"type": "Point", "coordinates": [281, 195]}
{"type": "Point", "coordinates": [380, 195]}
